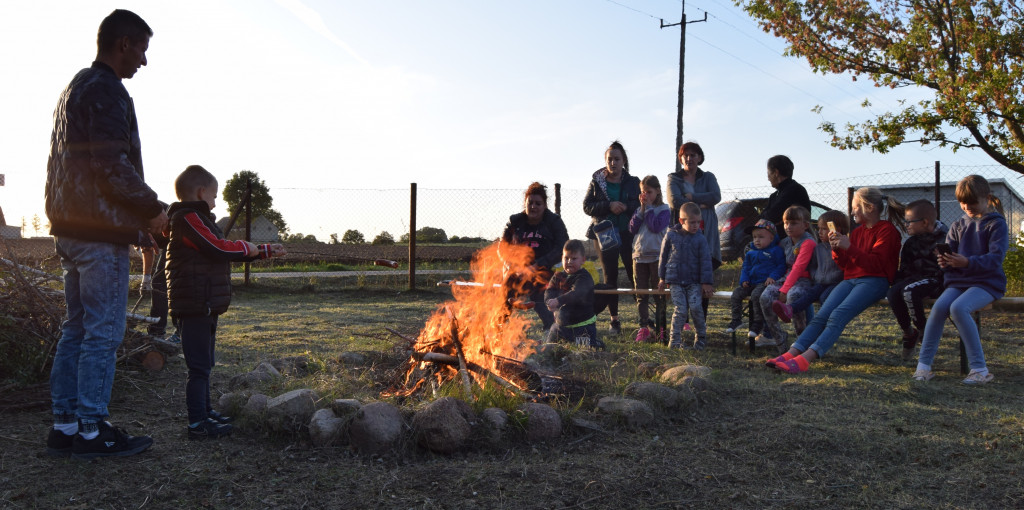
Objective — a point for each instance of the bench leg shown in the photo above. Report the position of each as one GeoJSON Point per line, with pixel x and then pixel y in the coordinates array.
{"type": "Point", "coordinates": [660, 319]}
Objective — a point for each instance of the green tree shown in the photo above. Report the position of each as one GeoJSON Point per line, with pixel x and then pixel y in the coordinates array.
{"type": "Point", "coordinates": [970, 54]}
{"type": "Point", "coordinates": [427, 235]}
{"type": "Point", "coordinates": [384, 238]}
{"type": "Point", "coordinates": [353, 237]}
{"type": "Point", "coordinates": [334, 238]}
{"type": "Point", "coordinates": [262, 202]}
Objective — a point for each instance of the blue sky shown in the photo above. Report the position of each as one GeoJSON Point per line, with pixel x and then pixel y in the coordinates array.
{"type": "Point", "coordinates": [451, 94]}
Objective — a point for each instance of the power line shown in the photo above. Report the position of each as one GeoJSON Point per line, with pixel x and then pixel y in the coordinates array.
{"type": "Point", "coordinates": [632, 9]}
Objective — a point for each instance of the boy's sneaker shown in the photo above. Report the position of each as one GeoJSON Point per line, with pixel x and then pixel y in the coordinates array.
{"type": "Point", "coordinates": [59, 444]}
{"type": "Point", "coordinates": [219, 418]}
{"type": "Point", "coordinates": [208, 429]}
{"type": "Point", "coordinates": [753, 334]}
{"type": "Point", "coordinates": [909, 342]}
{"type": "Point", "coordinates": [975, 378]}
{"type": "Point", "coordinates": [615, 328]}
{"type": "Point", "coordinates": [923, 375]}
{"type": "Point", "coordinates": [733, 327]}
{"type": "Point", "coordinates": [687, 327]}
{"type": "Point", "coordinates": [174, 339]}
{"type": "Point", "coordinates": [764, 340]}
{"type": "Point", "coordinates": [111, 442]}
{"type": "Point", "coordinates": [643, 335]}
{"type": "Point", "coordinates": [783, 311]}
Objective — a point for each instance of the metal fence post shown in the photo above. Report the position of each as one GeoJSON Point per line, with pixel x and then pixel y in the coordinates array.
{"type": "Point", "coordinates": [412, 236]}
{"type": "Point", "coordinates": [938, 188]}
{"type": "Point", "coordinates": [558, 199]}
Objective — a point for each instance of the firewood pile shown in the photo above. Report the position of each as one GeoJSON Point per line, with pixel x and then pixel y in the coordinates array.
{"type": "Point", "coordinates": [32, 310]}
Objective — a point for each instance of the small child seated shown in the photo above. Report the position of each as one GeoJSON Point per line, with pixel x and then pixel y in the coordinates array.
{"type": "Point", "coordinates": [763, 264]}
{"type": "Point", "coordinates": [685, 267]}
{"type": "Point", "coordinates": [825, 274]}
{"type": "Point", "coordinates": [570, 295]}
{"type": "Point", "coordinates": [919, 275]}
{"type": "Point", "coordinates": [798, 247]}
{"type": "Point", "coordinates": [199, 289]}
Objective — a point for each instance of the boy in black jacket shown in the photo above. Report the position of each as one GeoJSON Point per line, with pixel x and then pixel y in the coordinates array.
{"type": "Point", "coordinates": [919, 275]}
{"type": "Point", "coordinates": [199, 289]}
{"type": "Point", "coordinates": [570, 294]}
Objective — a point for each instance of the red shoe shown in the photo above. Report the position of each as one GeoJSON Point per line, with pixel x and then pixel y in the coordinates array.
{"type": "Point", "coordinates": [783, 311]}
{"type": "Point", "coordinates": [790, 367]}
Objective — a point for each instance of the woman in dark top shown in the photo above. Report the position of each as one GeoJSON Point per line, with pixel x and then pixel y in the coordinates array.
{"type": "Point", "coordinates": [544, 232]}
{"type": "Point", "coordinates": [614, 195]}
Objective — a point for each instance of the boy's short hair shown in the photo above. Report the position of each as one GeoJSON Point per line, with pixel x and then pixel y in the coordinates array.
{"type": "Point", "coordinates": [118, 24]}
{"type": "Point", "coordinates": [689, 209]}
{"type": "Point", "coordinates": [923, 209]}
{"type": "Point", "coordinates": [837, 217]}
{"type": "Point", "coordinates": [575, 246]}
{"type": "Point", "coordinates": [796, 212]}
{"type": "Point", "coordinates": [193, 178]}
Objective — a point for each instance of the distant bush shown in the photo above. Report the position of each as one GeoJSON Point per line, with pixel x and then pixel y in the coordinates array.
{"type": "Point", "coordinates": [384, 238]}
{"type": "Point", "coordinates": [467, 240]}
{"type": "Point", "coordinates": [1013, 266]}
{"type": "Point", "coordinates": [427, 235]}
{"type": "Point", "coordinates": [353, 237]}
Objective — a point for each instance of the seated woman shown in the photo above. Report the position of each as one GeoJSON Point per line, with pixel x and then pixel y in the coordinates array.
{"type": "Point", "coordinates": [868, 257]}
{"type": "Point", "coordinates": [544, 232]}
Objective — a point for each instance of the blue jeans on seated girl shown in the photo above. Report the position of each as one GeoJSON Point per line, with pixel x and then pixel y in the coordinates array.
{"type": "Point", "coordinates": [958, 304]}
{"type": "Point", "coordinates": [847, 300]}
{"type": "Point", "coordinates": [583, 336]}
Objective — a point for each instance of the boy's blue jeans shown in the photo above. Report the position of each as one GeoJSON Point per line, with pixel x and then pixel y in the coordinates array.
{"type": "Point", "coordinates": [847, 300]}
{"type": "Point", "coordinates": [198, 340]}
{"type": "Point", "coordinates": [687, 301]}
{"type": "Point", "coordinates": [958, 304]}
{"type": "Point", "coordinates": [96, 294]}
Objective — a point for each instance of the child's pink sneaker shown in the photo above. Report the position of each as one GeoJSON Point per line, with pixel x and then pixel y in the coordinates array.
{"type": "Point", "coordinates": [686, 327]}
{"type": "Point", "coordinates": [643, 335]}
{"type": "Point", "coordinates": [783, 311]}
{"type": "Point", "coordinates": [790, 366]}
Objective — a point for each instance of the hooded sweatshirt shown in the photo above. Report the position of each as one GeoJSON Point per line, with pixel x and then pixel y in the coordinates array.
{"type": "Point", "coordinates": [984, 242]}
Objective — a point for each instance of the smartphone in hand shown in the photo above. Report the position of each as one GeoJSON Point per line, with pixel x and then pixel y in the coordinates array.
{"type": "Point", "coordinates": [943, 249]}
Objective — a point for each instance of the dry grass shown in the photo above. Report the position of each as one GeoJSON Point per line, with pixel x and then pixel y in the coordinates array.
{"type": "Point", "coordinates": [853, 432]}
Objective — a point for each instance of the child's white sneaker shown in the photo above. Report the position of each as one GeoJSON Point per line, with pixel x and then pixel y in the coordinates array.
{"type": "Point", "coordinates": [752, 334]}
{"type": "Point", "coordinates": [923, 375]}
{"type": "Point", "coordinates": [975, 378]}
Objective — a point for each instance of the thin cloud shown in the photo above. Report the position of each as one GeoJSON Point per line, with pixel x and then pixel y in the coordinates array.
{"type": "Point", "coordinates": [313, 20]}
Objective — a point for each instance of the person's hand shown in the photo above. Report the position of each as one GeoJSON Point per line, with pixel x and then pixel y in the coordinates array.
{"type": "Point", "coordinates": [746, 285]}
{"type": "Point", "coordinates": [782, 297]}
{"type": "Point", "coordinates": [661, 285]}
{"type": "Point", "coordinates": [948, 260]}
{"type": "Point", "coordinates": [617, 207]}
{"type": "Point", "coordinates": [769, 281]}
{"type": "Point", "coordinates": [552, 304]}
{"type": "Point", "coordinates": [689, 197]}
{"type": "Point", "coordinates": [158, 224]}
{"type": "Point", "coordinates": [838, 241]}
{"type": "Point", "coordinates": [277, 250]}
{"type": "Point", "coordinates": [707, 290]}
{"type": "Point", "coordinates": [645, 199]}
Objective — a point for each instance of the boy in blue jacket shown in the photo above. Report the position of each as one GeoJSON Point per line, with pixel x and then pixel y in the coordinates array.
{"type": "Point", "coordinates": [763, 263]}
{"type": "Point", "coordinates": [685, 267]}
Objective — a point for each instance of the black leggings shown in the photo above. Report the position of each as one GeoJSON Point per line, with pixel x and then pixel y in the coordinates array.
{"type": "Point", "coordinates": [610, 266]}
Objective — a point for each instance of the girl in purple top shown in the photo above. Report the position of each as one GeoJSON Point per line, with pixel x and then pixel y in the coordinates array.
{"type": "Point", "coordinates": [973, 276]}
{"type": "Point", "coordinates": [648, 226]}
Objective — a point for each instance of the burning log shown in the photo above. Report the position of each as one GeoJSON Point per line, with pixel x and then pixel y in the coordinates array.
{"type": "Point", "coordinates": [467, 385]}
{"type": "Point", "coordinates": [447, 359]}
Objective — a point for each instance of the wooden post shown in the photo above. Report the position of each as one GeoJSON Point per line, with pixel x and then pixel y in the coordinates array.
{"type": "Point", "coordinates": [248, 221]}
{"type": "Point", "coordinates": [412, 236]}
{"type": "Point", "coordinates": [938, 187]}
{"type": "Point", "coordinates": [558, 198]}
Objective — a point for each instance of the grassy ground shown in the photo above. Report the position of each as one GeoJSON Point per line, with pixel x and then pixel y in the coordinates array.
{"type": "Point", "coordinates": [853, 432]}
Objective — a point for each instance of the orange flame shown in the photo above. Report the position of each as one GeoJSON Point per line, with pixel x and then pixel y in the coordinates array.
{"type": "Point", "coordinates": [487, 323]}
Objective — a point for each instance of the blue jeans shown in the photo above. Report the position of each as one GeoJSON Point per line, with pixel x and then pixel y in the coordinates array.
{"type": "Point", "coordinates": [687, 301]}
{"type": "Point", "coordinates": [198, 341]}
{"type": "Point", "coordinates": [770, 294]}
{"type": "Point", "coordinates": [847, 300]}
{"type": "Point", "coordinates": [96, 294]}
{"type": "Point", "coordinates": [958, 304]}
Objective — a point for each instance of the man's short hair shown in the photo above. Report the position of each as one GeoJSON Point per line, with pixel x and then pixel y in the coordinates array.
{"type": "Point", "coordinates": [193, 178]}
{"type": "Point", "coordinates": [575, 246]}
{"type": "Point", "coordinates": [118, 24]}
{"type": "Point", "coordinates": [923, 209]}
{"type": "Point", "coordinates": [781, 164]}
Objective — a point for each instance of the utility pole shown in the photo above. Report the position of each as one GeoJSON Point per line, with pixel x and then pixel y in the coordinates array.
{"type": "Point", "coordinates": [682, 67]}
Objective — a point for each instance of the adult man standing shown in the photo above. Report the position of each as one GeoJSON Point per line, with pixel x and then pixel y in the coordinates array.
{"type": "Point", "coordinates": [787, 191]}
{"type": "Point", "coordinates": [98, 204]}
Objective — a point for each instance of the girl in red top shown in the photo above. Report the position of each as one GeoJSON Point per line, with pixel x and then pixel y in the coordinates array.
{"type": "Point", "coordinates": [869, 257]}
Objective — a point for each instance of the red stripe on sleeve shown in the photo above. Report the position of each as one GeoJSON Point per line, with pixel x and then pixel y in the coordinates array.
{"type": "Point", "coordinates": [212, 240]}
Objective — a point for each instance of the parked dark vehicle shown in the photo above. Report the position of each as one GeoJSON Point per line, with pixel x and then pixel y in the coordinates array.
{"type": "Point", "coordinates": [734, 216]}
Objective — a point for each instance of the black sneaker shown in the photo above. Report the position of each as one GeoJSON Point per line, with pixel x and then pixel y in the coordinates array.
{"type": "Point", "coordinates": [58, 444]}
{"type": "Point", "coordinates": [219, 418]}
{"type": "Point", "coordinates": [615, 328]}
{"type": "Point", "coordinates": [208, 429]}
{"type": "Point", "coordinates": [111, 442]}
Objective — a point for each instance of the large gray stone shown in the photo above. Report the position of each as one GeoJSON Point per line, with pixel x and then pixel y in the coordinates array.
{"type": "Point", "coordinates": [674, 376]}
{"type": "Point", "coordinates": [230, 403]}
{"type": "Point", "coordinates": [292, 365]}
{"type": "Point", "coordinates": [290, 411]}
{"type": "Point", "coordinates": [264, 372]}
{"type": "Point", "coordinates": [256, 406]}
{"type": "Point", "coordinates": [345, 407]}
{"type": "Point", "coordinates": [352, 358]}
{"type": "Point", "coordinates": [494, 421]}
{"type": "Point", "coordinates": [630, 412]}
{"type": "Point", "coordinates": [325, 428]}
{"type": "Point", "coordinates": [657, 395]}
{"type": "Point", "coordinates": [542, 422]}
{"type": "Point", "coordinates": [375, 428]}
{"type": "Point", "coordinates": [444, 425]}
